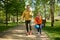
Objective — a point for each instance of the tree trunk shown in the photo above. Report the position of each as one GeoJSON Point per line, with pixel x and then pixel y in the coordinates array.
{"type": "Point", "coordinates": [9, 17]}
{"type": "Point", "coordinates": [6, 12]}
{"type": "Point", "coordinates": [52, 12]}
{"type": "Point", "coordinates": [6, 19]}
{"type": "Point", "coordinates": [44, 14]}
{"type": "Point", "coordinates": [17, 16]}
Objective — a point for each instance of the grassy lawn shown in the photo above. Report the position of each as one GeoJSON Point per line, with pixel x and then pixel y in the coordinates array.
{"type": "Point", "coordinates": [53, 32]}
{"type": "Point", "coordinates": [3, 26]}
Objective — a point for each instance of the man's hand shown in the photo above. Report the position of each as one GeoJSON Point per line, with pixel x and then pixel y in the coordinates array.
{"type": "Point", "coordinates": [21, 18]}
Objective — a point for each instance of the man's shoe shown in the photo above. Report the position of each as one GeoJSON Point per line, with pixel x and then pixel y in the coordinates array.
{"type": "Point", "coordinates": [30, 32]}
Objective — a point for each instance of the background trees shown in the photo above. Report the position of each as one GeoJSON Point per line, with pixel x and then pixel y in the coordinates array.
{"type": "Point", "coordinates": [12, 8]}
{"type": "Point", "coordinates": [15, 8]}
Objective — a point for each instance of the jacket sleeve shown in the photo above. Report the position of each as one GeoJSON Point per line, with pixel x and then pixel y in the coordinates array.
{"type": "Point", "coordinates": [35, 21]}
{"type": "Point", "coordinates": [23, 14]}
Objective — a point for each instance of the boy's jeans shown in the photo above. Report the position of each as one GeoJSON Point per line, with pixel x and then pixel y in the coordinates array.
{"type": "Point", "coordinates": [40, 28]}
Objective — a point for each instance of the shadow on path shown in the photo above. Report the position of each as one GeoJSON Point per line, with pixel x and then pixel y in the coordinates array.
{"type": "Point", "coordinates": [19, 33]}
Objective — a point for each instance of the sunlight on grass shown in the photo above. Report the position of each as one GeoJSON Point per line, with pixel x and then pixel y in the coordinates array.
{"type": "Point", "coordinates": [3, 26]}
{"type": "Point", "coordinates": [10, 25]}
{"type": "Point", "coordinates": [53, 32]}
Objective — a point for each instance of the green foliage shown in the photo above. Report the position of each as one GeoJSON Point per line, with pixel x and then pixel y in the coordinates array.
{"type": "Point", "coordinates": [18, 6]}
{"type": "Point", "coordinates": [4, 28]}
{"type": "Point", "coordinates": [44, 1]}
{"type": "Point", "coordinates": [53, 32]}
{"type": "Point", "coordinates": [14, 5]}
{"type": "Point", "coordinates": [1, 5]}
{"type": "Point", "coordinates": [2, 15]}
{"type": "Point", "coordinates": [39, 6]}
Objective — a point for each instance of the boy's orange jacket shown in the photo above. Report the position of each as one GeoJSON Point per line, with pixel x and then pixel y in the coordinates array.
{"type": "Point", "coordinates": [38, 21]}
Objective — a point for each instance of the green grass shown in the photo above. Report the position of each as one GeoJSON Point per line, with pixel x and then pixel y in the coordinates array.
{"type": "Point", "coordinates": [4, 28]}
{"type": "Point", "coordinates": [10, 25]}
{"type": "Point", "coordinates": [53, 32]}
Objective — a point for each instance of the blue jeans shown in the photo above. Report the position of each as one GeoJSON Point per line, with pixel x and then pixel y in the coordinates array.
{"type": "Point", "coordinates": [40, 28]}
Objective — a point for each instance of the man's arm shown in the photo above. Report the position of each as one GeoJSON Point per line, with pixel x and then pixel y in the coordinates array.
{"type": "Point", "coordinates": [23, 14]}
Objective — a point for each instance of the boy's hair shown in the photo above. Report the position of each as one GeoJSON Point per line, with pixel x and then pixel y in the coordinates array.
{"type": "Point", "coordinates": [39, 13]}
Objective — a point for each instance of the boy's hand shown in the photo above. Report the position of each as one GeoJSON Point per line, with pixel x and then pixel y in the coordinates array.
{"type": "Point", "coordinates": [33, 24]}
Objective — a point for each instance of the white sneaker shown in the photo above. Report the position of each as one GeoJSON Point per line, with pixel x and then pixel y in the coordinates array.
{"type": "Point", "coordinates": [38, 33]}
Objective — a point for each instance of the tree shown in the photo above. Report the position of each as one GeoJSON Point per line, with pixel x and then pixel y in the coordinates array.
{"type": "Point", "coordinates": [19, 6]}
{"type": "Point", "coordinates": [6, 10]}
{"type": "Point", "coordinates": [52, 2]}
{"type": "Point", "coordinates": [37, 6]}
{"type": "Point", "coordinates": [44, 3]}
{"type": "Point", "coordinates": [14, 7]}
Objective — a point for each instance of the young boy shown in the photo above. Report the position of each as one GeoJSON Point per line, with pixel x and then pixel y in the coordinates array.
{"type": "Point", "coordinates": [38, 21]}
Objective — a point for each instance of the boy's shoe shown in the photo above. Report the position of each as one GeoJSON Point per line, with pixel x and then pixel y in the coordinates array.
{"type": "Point", "coordinates": [38, 33]}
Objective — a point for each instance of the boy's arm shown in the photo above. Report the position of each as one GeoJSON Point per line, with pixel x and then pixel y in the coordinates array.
{"type": "Point", "coordinates": [35, 21]}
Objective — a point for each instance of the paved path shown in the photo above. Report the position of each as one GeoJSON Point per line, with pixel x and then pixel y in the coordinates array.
{"type": "Point", "coordinates": [18, 33]}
